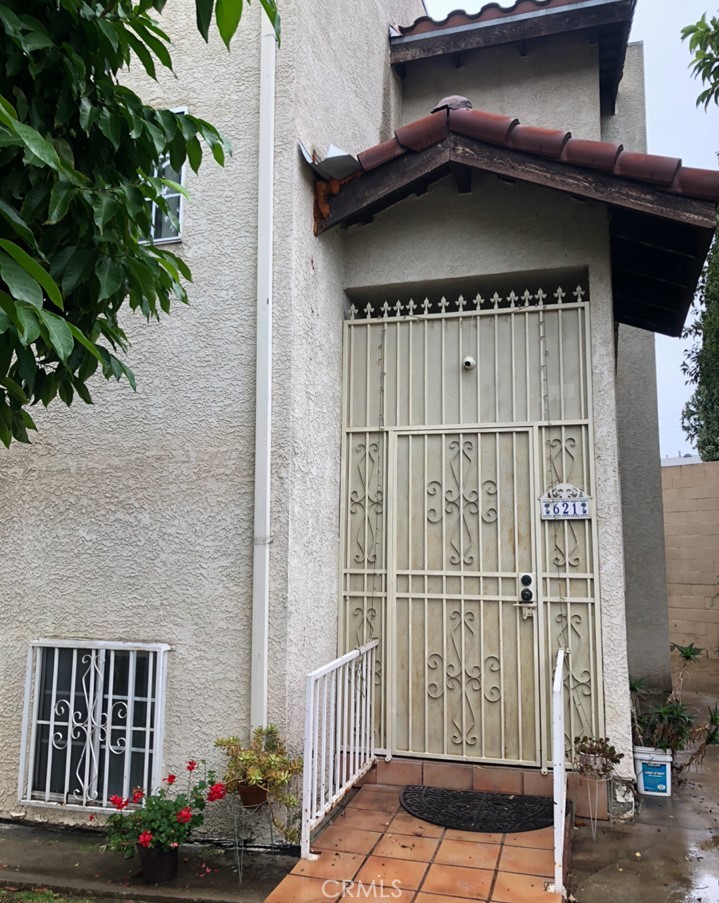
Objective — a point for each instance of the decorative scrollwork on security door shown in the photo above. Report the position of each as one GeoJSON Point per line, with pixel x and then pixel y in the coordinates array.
{"type": "Point", "coordinates": [463, 682]}
{"type": "Point", "coordinates": [368, 502]}
{"type": "Point", "coordinates": [559, 451]}
{"type": "Point", "coordinates": [565, 554]}
{"type": "Point", "coordinates": [365, 631]}
{"type": "Point", "coordinates": [577, 680]}
{"type": "Point", "coordinates": [457, 501]}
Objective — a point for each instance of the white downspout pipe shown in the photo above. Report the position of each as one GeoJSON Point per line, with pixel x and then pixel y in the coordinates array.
{"type": "Point", "coordinates": [263, 381]}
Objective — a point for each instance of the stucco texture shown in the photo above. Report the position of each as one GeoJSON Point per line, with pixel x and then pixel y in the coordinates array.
{"type": "Point", "coordinates": [555, 84]}
{"type": "Point", "coordinates": [131, 520]}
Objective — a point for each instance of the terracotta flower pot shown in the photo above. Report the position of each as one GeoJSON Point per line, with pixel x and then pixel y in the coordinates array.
{"type": "Point", "coordinates": [158, 865]}
{"type": "Point", "coordinates": [252, 795]}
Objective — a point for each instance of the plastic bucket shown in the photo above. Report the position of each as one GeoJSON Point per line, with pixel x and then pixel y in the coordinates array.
{"type": "Point", "coordinates": [653, 768]}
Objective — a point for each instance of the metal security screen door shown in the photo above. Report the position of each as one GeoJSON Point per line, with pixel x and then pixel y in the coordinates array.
{"type": "Point", "coordinates": [467, 426]}
{"type": "Point", "coordinates": [464, 647]}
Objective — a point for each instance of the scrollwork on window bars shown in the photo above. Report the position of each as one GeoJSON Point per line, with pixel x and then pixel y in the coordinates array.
{"type": "Point", "coordinates": [93, 721]}
{"type": "Point", "coordinates": [513, 301]}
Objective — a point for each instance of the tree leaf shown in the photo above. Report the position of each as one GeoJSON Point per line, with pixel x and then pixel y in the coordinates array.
{"type": "Point", "coordinates": [18, 224]}
{"type": "Point", "coordinates": [142, 53]}
{"type": "Point", "coordinates": [59, 333]}
{"type": "Point", "coordinates": [35, 270]}
{"type": "Point", "coordinates": [194, 153]}
{"type": "Point", "coordinates": [60, 198]}
{"type": "Point", "coordinates": [21, 285]}
{"type": "Point", "coordinates": [227, 15]}
{"type": "Point", "coordinates": [13, 389]}
{"type": "Point", "coordinates": [204, 17]}
{"type": "Point", "coordinates": [78, 270]}
{"type": "Point", "coordinates": [110, 275]}
{"type": "Point", "coordinates": [29, 324]}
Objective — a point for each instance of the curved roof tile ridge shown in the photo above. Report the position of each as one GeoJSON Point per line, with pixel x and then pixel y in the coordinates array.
{"type": "Point", "coordinates": [664, 173]}
{"type": "Point", "coordinates": [489, 11]}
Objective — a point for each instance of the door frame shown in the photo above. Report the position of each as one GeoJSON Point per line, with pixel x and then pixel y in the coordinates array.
{"type": "Point", "coordinates": [541, 679]}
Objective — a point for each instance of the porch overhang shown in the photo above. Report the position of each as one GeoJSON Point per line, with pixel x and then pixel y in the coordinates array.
{"type": "Point", "coordinates": [662, 215]}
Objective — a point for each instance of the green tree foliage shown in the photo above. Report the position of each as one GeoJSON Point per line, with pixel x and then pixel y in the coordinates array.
{"type": "Point", "coordinates": [79, 158]}
{"type": "Point", "coordinates": [703, 40]}
{"type": "Point", "coordinates": [700, 417]}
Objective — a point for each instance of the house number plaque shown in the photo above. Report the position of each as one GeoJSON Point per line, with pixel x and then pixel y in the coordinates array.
{"type": "Point", "coordinates": [565, 502]}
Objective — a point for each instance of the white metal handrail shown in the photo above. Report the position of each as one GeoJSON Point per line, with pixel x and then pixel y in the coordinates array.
{"type": "Point", "coordinates": [339, 741]}
{"type": "Point", "coordinates": [559, 766]}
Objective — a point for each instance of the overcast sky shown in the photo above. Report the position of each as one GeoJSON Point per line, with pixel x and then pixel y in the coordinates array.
{"type": "Point", "coordinates": [676, 128]}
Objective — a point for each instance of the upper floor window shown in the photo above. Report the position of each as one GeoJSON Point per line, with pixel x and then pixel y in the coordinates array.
{"type": "Point", "coordinates": [168, 228]}
{"type": "Point", "coordinates": [93, 721]}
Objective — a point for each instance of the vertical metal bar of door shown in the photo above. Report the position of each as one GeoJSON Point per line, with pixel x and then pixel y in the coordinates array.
{"type": "Point", "coordinates": [391, 594]}
{"type": "Point", "coordinates": [425, 590]}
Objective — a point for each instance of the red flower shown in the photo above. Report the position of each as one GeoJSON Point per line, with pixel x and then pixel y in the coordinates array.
{"type": "Point", "coordinates": [91, 817]}
{"type": "Point", "coordinates": [145, 839]}
{"type": "Point", "coordinates": [184, 815]}
{"type": "Point", "coordinates": [216, 792]}
{"type": "Point", "coordinates": [118, 802]}
{"type": "Point", "coordinates": [174, 844]}
{"type": "Point", "coordinates": [171, 778]}
{"type": "Point", "coordinates": [138, 794]}
{"type": "Point", "coordinates": [191, 765]}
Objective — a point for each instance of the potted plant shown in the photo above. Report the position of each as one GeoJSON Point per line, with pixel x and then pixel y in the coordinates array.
{"type": "Point", "coordinates": [157, 823]}
{"type": "Point", "coordinates": [264, 771]}
{"type": "Point", "coordinates": [594, 759]}
{"type": "Point", "coordinates": [662, 729]}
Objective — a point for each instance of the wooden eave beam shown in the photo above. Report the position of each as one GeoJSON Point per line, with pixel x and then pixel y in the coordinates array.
{"type": "Point", "coordinates": [597, 186]}
{"type": "Point", "coordinates": [489, 34]}
{"type": "Point", "coordinates": [380, 188]}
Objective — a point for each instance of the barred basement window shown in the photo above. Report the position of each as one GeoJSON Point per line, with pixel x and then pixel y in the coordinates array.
{"type": "Point", "coordinates": [94, 721]}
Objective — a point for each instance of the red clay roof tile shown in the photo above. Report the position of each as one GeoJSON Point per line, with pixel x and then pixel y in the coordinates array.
{"type": "Point", "coordinates": [380, 153]}
{"type": "Point", "coordinates": [697, 183]}
{"type": "Point", "coordinates": [592, 154]}
{"type": "Point", "coordinates": [666, 173]}
{"type": "Point", "coordinates": [647, 168]}
{"type": "Point", "coordinates": [533, 140]}
{"type": "Point", "coordinates": [425, 132]}
{"type": "Point", "coordinates": [489, 127]}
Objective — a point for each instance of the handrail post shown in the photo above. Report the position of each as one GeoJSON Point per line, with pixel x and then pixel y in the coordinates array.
{"type": "Point", "coordinates": [559, 773]}
{"type": "Point", "coordinates": [342, 720]}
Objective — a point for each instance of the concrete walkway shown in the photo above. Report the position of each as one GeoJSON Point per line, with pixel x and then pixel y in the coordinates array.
{"type": "Point", "coordinates": [70, 862]}
{"type": "Point", "coordinates": [671, 853]}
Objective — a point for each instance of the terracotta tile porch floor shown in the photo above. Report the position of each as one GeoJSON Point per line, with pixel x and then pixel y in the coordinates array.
{"type": "Point", "coordinates": [373, 842]}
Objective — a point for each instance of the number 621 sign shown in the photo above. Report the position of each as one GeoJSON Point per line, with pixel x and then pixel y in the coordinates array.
{"type": "Point", "coordinates": [565, 502]}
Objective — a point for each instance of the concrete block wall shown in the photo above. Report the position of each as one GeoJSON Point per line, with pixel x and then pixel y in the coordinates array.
{"type": "Point", "coordinates": [691, 526]}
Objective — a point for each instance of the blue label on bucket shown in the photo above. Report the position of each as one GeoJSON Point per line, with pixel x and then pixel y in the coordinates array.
{"type": "Point", "coordinates": [655, 778]}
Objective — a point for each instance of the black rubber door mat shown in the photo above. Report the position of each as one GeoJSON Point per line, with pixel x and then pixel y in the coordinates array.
{"type": "Point", "coordinates": [469, 810]}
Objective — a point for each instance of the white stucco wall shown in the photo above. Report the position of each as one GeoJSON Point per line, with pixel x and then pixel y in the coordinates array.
{"type": "Point", "coordinates": [556, 85]}
{"type": "Point", "coordinates": [132, 520]}
{"type": "Point", "coordinates": [497, 229]}
{"type": "Point", "coordinates": [639, 456]}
